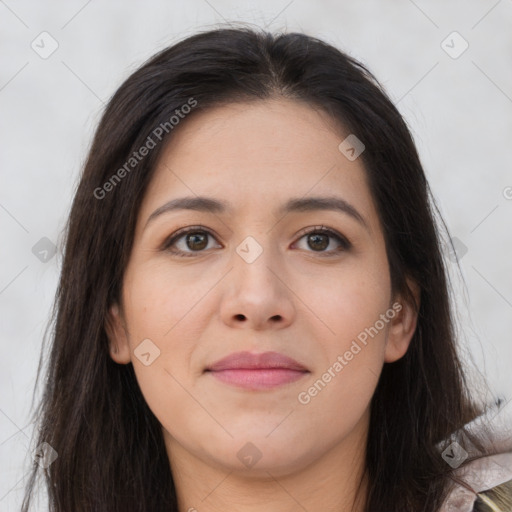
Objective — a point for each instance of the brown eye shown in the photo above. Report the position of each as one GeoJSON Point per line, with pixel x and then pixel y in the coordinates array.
{"type": "Point", "coordinates": [318, 241]}
{"type": "Point", "coordinates": [187, 241]}
{"type": "Point", "coordinates": [320, 237]}
{"type": "Point", "coordinates": [196, 241]}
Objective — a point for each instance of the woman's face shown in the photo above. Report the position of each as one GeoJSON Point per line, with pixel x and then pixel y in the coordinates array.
{"type": "Point", "coordinates": [259, 275]}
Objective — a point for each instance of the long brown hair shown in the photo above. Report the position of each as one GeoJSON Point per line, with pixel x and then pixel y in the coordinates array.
{"type": "Point", "coordinates": [111, 454]}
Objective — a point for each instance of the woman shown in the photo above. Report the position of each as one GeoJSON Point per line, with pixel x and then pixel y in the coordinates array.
{"type": "Point", "coordinates": [253, 311]}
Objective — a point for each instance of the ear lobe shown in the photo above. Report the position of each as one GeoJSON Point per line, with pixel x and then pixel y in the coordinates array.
{"type": "Point", "coordinates": [117, 335]}
{"type": "Point", "coordinates": [403, 325]}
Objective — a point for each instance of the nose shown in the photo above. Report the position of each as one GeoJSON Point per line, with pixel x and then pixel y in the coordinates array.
{"type": "Point", "coordinates": [257, 295]}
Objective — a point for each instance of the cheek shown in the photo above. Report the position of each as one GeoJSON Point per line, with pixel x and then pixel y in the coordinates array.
{"type": "Point", "coordinates": [161, 299]}
{"type": "Point", "coordinates": [349, 304]}
{"type": "Point", "coordinates": [338, 393]}
{"type": "Point", "coordinates": [163, 330]}
{"type": "Point", "coordinates": [353, 353]}
{"type": "Point", "coordinates": [352, 315]}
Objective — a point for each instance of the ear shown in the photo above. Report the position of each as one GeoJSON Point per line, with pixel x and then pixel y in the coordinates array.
{"type": "Point", "coordinates": [403, 324]}
{"type": "Point", "coordinates": [118, 336]}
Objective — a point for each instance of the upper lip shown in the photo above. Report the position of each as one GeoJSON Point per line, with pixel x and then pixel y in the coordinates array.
{"type": "Point", "coordinates": [251, 361]}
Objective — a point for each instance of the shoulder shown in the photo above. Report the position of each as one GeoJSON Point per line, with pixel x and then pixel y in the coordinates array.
{"type": "Point", "coordinates": [485, 482]}
{"type": "Point", "coordinates": [498, 498]}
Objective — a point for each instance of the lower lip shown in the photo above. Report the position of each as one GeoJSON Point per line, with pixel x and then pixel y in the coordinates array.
{"type": "Point", "coordinates": [258, 379]}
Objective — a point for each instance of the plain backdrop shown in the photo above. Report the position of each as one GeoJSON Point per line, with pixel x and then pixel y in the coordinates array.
{"type": "Point", "coordinates": [445, 64]}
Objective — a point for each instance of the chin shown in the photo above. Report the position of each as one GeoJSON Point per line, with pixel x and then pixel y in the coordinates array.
{"type": "Point", "coordinates": [257, 455]}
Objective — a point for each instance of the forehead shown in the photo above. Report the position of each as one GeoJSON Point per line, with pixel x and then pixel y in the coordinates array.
{"type": "Point", "coordinates": [256, 156]}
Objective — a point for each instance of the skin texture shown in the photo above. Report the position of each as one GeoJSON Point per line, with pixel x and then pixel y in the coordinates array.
{"type": "Point", "coordinates": [292, 299]}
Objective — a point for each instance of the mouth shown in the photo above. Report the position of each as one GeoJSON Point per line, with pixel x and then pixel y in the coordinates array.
{"type": "Point", "coordinates": [257, 371]}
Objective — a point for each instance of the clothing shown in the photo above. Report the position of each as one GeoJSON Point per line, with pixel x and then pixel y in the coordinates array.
{"type": "Point", "coordinates": [494, 428]}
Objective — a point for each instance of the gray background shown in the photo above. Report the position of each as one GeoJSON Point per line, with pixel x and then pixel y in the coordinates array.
{"type": "Point", "coordinates": [458, 106]}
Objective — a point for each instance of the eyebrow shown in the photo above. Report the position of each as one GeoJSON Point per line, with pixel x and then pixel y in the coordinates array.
{"type": "Point", "coordinates": [211, 205]}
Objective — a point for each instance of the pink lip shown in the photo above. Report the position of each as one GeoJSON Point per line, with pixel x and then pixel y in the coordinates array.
{"type": "Point", "coordinates": [257, 371]}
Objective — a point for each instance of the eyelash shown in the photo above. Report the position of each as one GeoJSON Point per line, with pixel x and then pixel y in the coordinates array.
{"type": "Point", "coordinates": [343, 241]}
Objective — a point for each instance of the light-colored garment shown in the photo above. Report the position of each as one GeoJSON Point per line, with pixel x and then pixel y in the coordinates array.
{"type": "Point", "coordinates": [494, 428]}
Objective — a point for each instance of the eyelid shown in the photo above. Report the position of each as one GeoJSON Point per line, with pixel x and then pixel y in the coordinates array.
{"type": "Point", "coordinates": [333, 233]}
{"type": "Point", "coordinates": [343, 240]}
{"type": "Point", "coordinates": [184, 231]}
